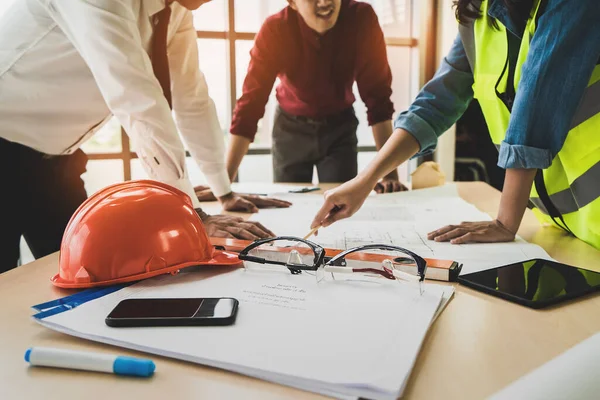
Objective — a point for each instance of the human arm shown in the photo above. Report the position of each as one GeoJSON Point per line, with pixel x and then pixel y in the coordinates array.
{"type": "Point", "coordinates": [195, 112]}
{"type": "Point", "coordinates": [345, 200]}
{"type": "Point", "coordinates": [374, 81]}
{"type": "Point", "coordinates": [564, 44]}
{"type": "Point", "coordinates": [238, 147]}
{"type": "Point", "coordinates": [197, 120]}
{"type": "Point", "coordinates": [106, 35]}
{"type": "Point", "coordinates": [250, 107]}
{"type": "Point", "coordinates": [515, 196]}
{"type": "Point", "coordinates": [439, 104]}
{"type": "Point", "coordinates": [389, 183]}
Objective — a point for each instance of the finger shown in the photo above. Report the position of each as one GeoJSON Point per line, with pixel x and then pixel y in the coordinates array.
{"type": "Point", "coordinates": [378, 188]}
{"type": "Point", "coordinates": [256, 230]}
{"type": "Point", "coordinates": [229, 220]}
{"type": "Point", "coordinates": [251, 208]}
{"type": "Point", "coordinates": [264, 202]}
{"type": "Point", "coordinates": [441, 231]}
{"type": "Point", "coordinates": [205, 195]}
{"type": "Point", "coordinates": [222, 234]}
{"type": "Point", "coordinates": [336, 216]}
{"type": "Point", "coordinates": [278, 203]}
{"type": "Point", "coordinates": [389, 187]}
{"type": "Point", "coordinates": [396, 186]}
{"type": "Point", "coordinates": [267, 232]}
{"type": "Point", "coordinates": [273, 200]}
{"type": "Point", "coordinates": [200, 188]}
{"type": "Point", "coordinates": [451, 235]}
{"type": "Point", "coordinates": [467, 238]}
{"type": "Point", "coordinates": [327, 207]}
{"type": "Point", "coordinates": [246, 206]}
{"type": "Point", "coordinates": [240, 233]}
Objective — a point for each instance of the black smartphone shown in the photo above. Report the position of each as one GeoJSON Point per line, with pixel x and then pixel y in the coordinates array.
{"type": "Point", "coordinates": [535, 283]}
{"type": "Point", "coordinates": [174, 312]}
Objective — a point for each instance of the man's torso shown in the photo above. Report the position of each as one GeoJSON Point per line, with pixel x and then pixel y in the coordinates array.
{"type": "Point", "coordinates": [317, 73]}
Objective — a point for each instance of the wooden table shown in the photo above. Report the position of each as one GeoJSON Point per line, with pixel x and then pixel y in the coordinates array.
{"type": "Point", "coordinates": [477, 346]}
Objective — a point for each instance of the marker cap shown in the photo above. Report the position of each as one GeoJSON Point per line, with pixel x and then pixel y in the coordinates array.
{"type": "Point", "coordinates": [133, 366]}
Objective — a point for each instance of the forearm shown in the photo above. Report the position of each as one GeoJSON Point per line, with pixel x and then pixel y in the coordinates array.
{"type": "Point", "coordinates": [381, 133]}
{"type": "Point", "coordinates": [400, 146]}
{"type": "Point", "coordinates": [515, 195]}
{"type": "Point", "coordinates": [104, 35]}
{"type": "Point", "coordinates": [195, 112]}
{"type": "Point", "coordinates": [237, 149]}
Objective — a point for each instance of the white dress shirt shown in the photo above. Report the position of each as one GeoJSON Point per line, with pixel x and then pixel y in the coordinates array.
{"type": "Point", "coordinates": [67, 66]}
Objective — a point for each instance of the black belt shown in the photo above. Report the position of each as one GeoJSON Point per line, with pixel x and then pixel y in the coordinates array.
{"type": "Point", "coordinates": [330, 119]}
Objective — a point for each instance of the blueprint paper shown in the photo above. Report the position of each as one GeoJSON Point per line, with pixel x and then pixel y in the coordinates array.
{"type": "Point", "coordinates": [401, 219]}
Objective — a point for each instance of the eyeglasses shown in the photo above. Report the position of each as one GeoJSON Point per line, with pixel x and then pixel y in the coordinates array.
{"type": "Point", "coordinates": [297, 255]}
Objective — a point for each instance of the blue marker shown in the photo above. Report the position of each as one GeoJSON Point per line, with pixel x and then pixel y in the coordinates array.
{"type": "Point", "coordinates": [59, 358]}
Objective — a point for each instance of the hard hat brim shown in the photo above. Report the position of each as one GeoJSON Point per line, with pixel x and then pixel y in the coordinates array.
{"type": "Point", "coordinates": [220, 258]}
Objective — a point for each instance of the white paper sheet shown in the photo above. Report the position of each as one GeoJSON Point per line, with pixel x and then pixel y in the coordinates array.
{"type": "Point", "coordinates": [401, 219]}
{"type": "Point", "coordinates": [573, 375]}
{"type": "Point", "coordinates": [346, 339]}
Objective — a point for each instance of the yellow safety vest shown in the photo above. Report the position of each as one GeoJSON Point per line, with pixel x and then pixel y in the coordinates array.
{"type": "Point", "coordinates": [569, 190]}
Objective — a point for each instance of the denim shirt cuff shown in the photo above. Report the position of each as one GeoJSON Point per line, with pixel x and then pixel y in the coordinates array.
{"type": "Point", "coordinates": [519, 156]}
{"type": "Point", "coordinates": [420, 130]}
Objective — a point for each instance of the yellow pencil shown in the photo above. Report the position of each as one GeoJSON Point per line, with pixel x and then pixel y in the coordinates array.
{"type": "Point", "coordinates": [312, 232]}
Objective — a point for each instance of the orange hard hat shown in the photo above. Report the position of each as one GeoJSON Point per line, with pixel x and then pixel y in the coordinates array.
{"type": "Point", "coordinates": [132, 231]}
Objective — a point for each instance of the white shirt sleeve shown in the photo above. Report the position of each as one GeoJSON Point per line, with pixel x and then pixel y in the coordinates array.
{"type": "Point", "coordinates": [195, 112]}
{"type": "Point", "coordinates": [106, 35]}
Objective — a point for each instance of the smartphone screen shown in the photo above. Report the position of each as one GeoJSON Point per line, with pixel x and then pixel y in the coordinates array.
{"type": "Point", "coordinates": [180, 311]}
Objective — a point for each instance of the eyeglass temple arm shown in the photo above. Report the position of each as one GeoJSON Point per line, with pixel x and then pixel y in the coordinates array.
{"type": "Point", "coordinates": [374, 247]}
{"type": "Point", "coordinates": [348, 270]}
{"type": "Point", "coordinates": [405, 276]}
{"type": "Point", "coordinates": [421, 264]}
{"type": "Point", "coordinates": [243, 254]}
{"type": "Point", "coordinates": [246, 257]}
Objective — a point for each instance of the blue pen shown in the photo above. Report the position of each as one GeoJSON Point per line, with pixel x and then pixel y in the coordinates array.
{"type": "Point", "coordinates": [60, 358]}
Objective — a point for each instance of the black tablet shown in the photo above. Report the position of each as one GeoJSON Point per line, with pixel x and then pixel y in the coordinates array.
{"type": "Point", "coordinates": [534, 283]}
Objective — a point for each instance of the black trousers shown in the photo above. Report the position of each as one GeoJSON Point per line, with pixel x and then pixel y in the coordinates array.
{"type": "Point", "coordinates": [300, 144]}
{"type": "Point", "coordinates": [40, 193]}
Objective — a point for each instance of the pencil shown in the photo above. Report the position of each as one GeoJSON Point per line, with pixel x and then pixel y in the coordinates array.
{"type": "Point", "coordinates": [312, 232]}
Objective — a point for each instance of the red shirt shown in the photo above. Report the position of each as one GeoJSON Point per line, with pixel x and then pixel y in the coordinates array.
{"type": "Point", "coordinates": [317, 72]}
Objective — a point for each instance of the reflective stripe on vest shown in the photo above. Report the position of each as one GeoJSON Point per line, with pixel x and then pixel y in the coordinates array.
{"type": "Point", "coordinates": [573, 179]}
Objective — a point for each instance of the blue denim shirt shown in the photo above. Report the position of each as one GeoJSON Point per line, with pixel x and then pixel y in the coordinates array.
{"type": "Point", "coordinates": [563, 52]}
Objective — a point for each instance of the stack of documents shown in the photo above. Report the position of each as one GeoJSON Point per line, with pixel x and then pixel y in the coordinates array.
{"type": "Point", "coordinates": [345, 339]}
